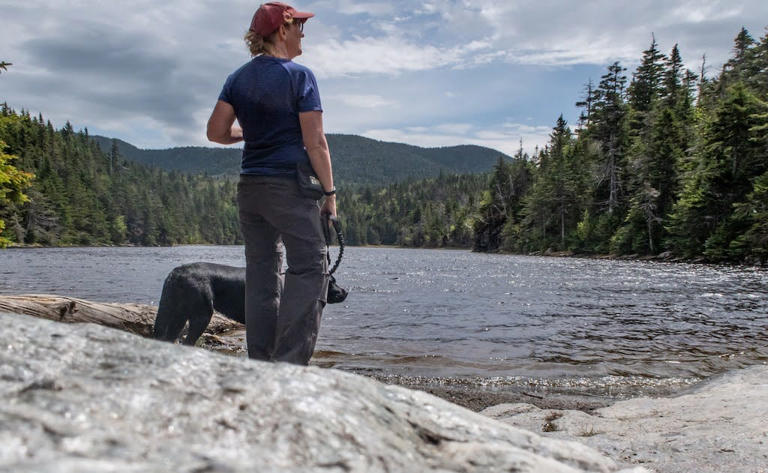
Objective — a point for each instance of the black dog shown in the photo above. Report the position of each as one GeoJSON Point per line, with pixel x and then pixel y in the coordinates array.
{"type": "Point", "coordinates": [193, 291]}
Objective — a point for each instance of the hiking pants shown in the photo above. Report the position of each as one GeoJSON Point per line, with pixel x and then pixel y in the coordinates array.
{"type": "Point", "coordinates": [282, 313]}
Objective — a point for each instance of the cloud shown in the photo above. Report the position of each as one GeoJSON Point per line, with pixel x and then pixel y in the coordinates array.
{"type": "Point", "coordinates": [460, 69]}
{"type": "Point", "coordinates": [349, 7]}
{"type": "Point", "coordinates": [363, 101]}
{"type": "Point", "coordinates": [473, 33]}
{"type": "Point", "coordinates": [377, 56]}
{"type": "Point", "coordinates": [504, 137]}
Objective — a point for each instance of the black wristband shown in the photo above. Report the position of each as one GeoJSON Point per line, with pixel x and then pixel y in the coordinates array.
{"type": "Point", "coordinates": [330, 192]}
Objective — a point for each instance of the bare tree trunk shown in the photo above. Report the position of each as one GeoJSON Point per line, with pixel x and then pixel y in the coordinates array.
{"type": "Point", "coordinates": [562, 226]}
{"type": "Point", "coordinates": [134, 318]}
{"type": "Point", "coordinates": [650, 234]}
{"type": "Point", "coordinates": [614, 185]}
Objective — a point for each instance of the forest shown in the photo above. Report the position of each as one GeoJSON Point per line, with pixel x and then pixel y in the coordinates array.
{"type": "Point", "coordinates": [669, 161]}
{"type": "Point", "coordinates": [79, 195]}
{"type": "Point", "coordinates": [662, 161]}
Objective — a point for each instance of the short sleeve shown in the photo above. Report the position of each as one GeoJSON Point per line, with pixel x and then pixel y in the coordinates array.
{"type": "Point", "coordinates": [226, 91]}
{"type": "Point", "coordinates": [308, 99]}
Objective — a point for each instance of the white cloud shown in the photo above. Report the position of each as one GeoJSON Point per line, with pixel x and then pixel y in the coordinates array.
{"type": "Point", "coordinates": [505, 137]}
{"type": "Point", "coordinates": [350, 7]}
{"type": "Point", "coordinates": [363, 101]}
{"type": "Point", "coordinates": [700, 12]}
{"type": "Point", "coordinates": [376, 56]}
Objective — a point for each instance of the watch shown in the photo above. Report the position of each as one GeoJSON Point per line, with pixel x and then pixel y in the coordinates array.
{"type": "Point", "coordinates": [330, 192]}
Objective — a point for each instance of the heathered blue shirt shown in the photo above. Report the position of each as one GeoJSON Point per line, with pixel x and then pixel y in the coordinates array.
{"type": "Point", "coordinates": [267, 94]}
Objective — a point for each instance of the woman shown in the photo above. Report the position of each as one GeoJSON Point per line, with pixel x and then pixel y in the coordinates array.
{"type": "Point", "coordinates": [277, 104]}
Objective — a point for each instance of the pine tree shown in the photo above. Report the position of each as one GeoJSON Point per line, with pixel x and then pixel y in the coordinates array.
{"type": "Point", "coordinates": [610, 132]}
{"type": "Point", "coordinates": [731, 155]}
{"type": "Point", "coordinates": [753, 213]}
{"type": "Point", "coordinates": [555, 201]}
{"type": "Point", "coordinates": [647, 82]}
{"type": "Point", "coordinates": [587, 104]}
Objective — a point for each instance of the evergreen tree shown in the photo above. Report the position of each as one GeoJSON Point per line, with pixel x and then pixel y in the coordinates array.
{"type": "Point", "coordinates": [753, 214]}
{"type": "Point", "coordinates": [502, 204]}
{"type": "Point", "coordinates": [658, 146]}
{"type": "Point", "coordinates": [554, 203]}
{"type": "Point", "coordinates": [646, 86]}
{"type": "Point", "coordinates": [13, 181]}
{"type": "Point", "coordinates": [610, 132]}
{"type": "Point", "coordinates": [587, 104]}
{"type": "Point", "coordinates": [731, 156]}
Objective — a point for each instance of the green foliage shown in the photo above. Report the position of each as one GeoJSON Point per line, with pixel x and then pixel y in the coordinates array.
{"type": "Point", "coordinates": [435, 212]}
{"type": "Point", "coordinates": [500, 212]}
{"type": "Point", "coordinates": [732, 154]}
{"type": "Point", "coordinates": [555, 201]}
{"type": "Point", "coordinates": [13, 182]}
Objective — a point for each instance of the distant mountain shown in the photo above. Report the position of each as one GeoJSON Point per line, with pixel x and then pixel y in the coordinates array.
{"type": "Point", "coordinates": [356, 160]}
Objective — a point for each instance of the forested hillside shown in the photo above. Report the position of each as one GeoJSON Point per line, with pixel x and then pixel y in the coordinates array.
{"type": "Point", "coordinates": [82, 196]}
{"type": "Point", "coordinates": [356, 160]}
{"type": "Point", "coordinates": [665, 161]}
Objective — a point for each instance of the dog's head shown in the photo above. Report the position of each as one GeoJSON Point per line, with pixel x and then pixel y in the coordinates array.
{"type": "Point", "coordinates": [336, 293]}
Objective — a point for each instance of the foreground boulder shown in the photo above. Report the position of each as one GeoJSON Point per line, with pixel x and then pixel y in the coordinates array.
{"type": "Point", "coordinates": [85, 398]}
{"type": "Point", "coordinates": [720, 426]}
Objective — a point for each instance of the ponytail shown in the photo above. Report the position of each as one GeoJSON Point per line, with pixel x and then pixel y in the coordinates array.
{"type": "Point", "coordinates": [258, 44]}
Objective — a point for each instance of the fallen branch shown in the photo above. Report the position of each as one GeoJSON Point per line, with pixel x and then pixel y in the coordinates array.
{"type": "Point", "coordinates": [134, 318]}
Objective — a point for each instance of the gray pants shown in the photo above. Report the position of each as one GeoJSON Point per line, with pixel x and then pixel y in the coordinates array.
{"type": "Point", "coordinates": [282, 314]}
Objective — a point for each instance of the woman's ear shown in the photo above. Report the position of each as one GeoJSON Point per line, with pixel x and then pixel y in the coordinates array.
{"type": "Point", "coordinates": [283, 31]}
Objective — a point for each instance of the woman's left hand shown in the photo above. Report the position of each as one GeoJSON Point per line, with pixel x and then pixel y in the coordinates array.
{"type": "Point", "coordinates": [329, 206]}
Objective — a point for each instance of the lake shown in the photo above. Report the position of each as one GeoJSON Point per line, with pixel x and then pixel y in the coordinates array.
{"type": "Point", "coordinates": [456, 317]}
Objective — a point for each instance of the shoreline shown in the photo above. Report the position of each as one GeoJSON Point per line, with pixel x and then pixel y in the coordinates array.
{"type": "Point", "coordinates": [477, 399]}
{"type": "Point", "coordinates": [665, 257]}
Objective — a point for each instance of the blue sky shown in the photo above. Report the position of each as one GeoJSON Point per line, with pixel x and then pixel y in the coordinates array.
{"type": "Point", "coordinates": [425, 73]}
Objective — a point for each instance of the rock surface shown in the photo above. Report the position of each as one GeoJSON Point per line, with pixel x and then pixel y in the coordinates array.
{"type": "Point", "coordinates": [720, 426]}
{"type": "Point", "coordinates": [85, 398]}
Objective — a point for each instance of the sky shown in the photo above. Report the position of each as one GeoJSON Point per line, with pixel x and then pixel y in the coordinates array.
{"type": "Point", "coordinates": [485, 72]}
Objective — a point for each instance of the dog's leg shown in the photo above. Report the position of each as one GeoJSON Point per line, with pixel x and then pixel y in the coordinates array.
{"type": "Point", "coordinates": [171, 317]}
{"type": "Point", "coordinates": [199, 319]}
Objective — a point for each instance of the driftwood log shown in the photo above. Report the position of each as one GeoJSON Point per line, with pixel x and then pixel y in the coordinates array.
{"type": "Point", "coordinates": [134, 318]}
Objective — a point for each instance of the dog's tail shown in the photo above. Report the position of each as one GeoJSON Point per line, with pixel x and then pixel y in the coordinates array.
{"type": "Point", "coordinates": [170, 320]}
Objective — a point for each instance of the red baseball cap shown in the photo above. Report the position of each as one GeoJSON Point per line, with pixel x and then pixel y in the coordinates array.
{"type": "Point", "coordinates": [270, 16]}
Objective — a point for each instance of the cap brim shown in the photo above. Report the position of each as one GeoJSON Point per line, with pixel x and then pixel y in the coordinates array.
{"type": "Point", "coordinates": [303, 15]}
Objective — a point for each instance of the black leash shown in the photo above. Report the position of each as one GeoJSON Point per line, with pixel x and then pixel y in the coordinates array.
{"type": "Point", "coordinates": [336, 293]}
{"type": "Point", "coordinates": [340, 237]}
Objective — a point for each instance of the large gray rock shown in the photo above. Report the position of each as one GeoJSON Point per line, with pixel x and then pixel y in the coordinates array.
{"type": "Point", "coordinates": [82, 398]}
{"type": "Point", "coordinates": [721, 426]}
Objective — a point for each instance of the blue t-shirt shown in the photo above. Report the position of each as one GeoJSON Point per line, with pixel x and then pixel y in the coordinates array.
{"type": "Point", "coordinates": [267, 94]}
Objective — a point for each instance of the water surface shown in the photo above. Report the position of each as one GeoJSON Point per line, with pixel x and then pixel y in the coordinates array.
{"type": "Point", "coordinates": [455, 317]}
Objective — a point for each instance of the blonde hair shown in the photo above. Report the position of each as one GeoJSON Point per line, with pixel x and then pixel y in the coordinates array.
{"type": "Point", "coordinates": [258, 44]}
